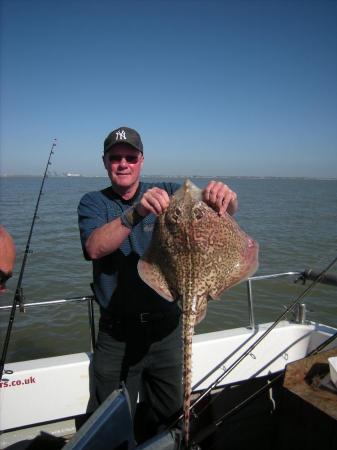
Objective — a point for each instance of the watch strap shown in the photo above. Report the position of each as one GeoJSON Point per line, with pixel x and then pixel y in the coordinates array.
{"type": "Point", "coordinates": [131, 217]}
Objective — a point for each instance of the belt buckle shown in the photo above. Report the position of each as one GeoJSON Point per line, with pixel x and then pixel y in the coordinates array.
{"type": "Point", "coordinates": [144, 317]}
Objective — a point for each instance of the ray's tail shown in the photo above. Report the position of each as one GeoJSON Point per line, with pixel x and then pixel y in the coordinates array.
{"type": "Point", "coordinates": [188, 330]}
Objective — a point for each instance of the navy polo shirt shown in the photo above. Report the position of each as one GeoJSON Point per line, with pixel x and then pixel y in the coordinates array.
{"type": "Point", "coordinates": [118, 287]}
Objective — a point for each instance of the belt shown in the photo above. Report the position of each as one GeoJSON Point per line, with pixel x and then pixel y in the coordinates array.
{"type": "Point", "coordinates": [143, 317]}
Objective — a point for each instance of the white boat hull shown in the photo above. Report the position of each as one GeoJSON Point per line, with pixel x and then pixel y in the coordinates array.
{"type": "Point", "coordinates": [57, 388]}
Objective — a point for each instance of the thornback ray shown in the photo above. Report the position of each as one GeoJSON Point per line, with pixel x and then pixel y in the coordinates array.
{"type": "Point", "coordinates": [194, 256]}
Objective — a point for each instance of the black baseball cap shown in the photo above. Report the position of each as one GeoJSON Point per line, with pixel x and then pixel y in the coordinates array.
{"type": "Point", "coordinates": [123, 135]}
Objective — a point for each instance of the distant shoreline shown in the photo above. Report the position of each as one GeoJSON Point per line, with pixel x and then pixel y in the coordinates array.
{"type": "Point", "coordinates": [161, 176]}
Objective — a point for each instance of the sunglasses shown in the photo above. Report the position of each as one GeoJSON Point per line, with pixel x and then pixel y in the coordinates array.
{"type": "Point", "coordinates": [130, 159]}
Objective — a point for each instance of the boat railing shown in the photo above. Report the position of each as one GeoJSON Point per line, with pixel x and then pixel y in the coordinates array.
{"type": "Point", "coordinates": [249, 282]}
{"type": "Point", "coordinates": [87, 298]}
{"type": "Point", "coordinates": [299, 314]}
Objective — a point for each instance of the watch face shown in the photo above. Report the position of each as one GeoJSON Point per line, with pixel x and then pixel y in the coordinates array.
{"type": "Point", "coordinates": [129, 214]}
{"type": "Point", "coordinates": [131, 217]}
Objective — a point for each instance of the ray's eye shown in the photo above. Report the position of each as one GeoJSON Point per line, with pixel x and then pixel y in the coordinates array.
{"type": "Point", "coordinates": [198, 214]}
{"type": "Point", "coordinates": [176, 215]}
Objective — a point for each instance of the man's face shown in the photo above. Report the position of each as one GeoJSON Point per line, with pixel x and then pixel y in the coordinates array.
{"type": "Point", "coordinates": [123, 164]}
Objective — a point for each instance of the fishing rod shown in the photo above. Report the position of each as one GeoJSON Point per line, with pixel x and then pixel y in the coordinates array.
{"type": "Point", "coordinates": [18, 296]}
{"type": "Point", "coordinates": [316, 280]}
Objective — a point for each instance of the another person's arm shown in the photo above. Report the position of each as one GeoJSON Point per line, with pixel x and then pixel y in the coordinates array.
{"type": "Point", "coordinates": [7, 257]}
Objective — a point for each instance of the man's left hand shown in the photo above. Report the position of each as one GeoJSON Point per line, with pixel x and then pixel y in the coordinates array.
{"type": "Point", "coordinates": [220, 197]}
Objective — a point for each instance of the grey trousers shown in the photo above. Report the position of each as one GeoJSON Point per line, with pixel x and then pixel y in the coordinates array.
{"type": "Point", "coordinates": [147, 357]}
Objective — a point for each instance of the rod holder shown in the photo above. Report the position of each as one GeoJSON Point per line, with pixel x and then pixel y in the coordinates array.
{"type": "Point", "coordinates": [251, 317]}
{"type": "Point", "coordinates": [301, 313]}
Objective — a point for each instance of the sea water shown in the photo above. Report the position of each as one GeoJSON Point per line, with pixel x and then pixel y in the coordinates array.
{"type": "Point", "coordinates": [293, 220]}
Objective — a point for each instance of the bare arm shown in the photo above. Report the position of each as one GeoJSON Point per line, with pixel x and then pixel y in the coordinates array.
{"type": "Point", "coordinates": [7, 257]}
{"type": "Point", "coordinates": [108, 238]}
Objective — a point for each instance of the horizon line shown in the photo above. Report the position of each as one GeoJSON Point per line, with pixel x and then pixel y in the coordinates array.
{"type": "Point", "coordinates": [71, 175]}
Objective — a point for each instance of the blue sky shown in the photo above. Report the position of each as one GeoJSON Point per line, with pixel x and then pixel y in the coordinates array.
{"type": "Point", "coordinates": [233, 88]}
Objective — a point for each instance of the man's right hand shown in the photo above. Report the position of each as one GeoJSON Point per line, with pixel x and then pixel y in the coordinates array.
{"type": "Point", "coordinates": [154, 200]}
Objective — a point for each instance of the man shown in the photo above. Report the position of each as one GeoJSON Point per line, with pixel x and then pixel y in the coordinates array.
{"type": "Point", "coordinates": [139, 339]}
{"type": "Point", "coordinates": [7, 257]}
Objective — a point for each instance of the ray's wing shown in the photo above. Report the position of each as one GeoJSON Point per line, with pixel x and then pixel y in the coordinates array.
{"type": "Point", "coordinates": [202, 309]}
{"type": "Point", "coordinates": [158, 267]}
{"type": "Point", "coordinates": [151, 274]}
{"type": "Point", "coordinates": [229, 255]}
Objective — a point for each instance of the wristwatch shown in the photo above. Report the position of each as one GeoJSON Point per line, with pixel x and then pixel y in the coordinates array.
{"type": "Point", "coordinates": [131, 217]}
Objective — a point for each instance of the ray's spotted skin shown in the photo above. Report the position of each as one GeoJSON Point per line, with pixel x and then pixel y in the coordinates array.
{"type": "Point", "coordinates": [195, 255]}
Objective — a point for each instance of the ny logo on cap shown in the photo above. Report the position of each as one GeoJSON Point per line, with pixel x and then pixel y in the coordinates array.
{"type": "Point", "coordinates": [120, 134]}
